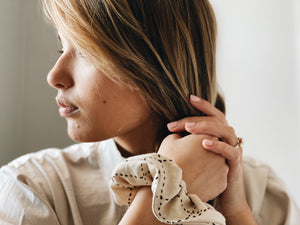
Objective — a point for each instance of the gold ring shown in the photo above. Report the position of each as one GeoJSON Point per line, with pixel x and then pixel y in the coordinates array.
{"type": "Point", "coordinates": [239, 141]}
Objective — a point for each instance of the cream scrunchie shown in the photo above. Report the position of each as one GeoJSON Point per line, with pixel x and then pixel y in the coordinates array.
{"type": "Point", "coordinates": [171, 203]}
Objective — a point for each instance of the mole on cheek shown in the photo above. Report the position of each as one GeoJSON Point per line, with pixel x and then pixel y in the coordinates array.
{"type": "Point", "coordinates": [75, 125]}
{"type": "Point", "coordinates": [104, 101]}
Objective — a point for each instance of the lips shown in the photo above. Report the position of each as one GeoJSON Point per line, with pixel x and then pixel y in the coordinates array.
{"type": "Point", "coordinates": [66, 108]}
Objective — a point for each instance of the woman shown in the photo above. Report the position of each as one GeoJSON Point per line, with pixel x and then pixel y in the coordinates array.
{"type": "Point", "coordinates": [127, 71]}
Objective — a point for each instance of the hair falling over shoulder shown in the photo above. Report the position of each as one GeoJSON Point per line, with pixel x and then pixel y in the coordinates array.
{"type": "Point", "coordinates": [164, 48]}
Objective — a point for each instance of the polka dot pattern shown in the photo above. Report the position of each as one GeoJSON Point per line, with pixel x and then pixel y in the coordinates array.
{"type": "Point", "coordinates": [171, 203]}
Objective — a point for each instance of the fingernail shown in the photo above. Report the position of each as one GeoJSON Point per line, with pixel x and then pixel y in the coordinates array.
{"type": "Point", "coordinates": [172, 125]}
{"type": "Point", "coordinates": [195, 98]}
{"type": "Point", "coordinates": [207, 142]}
{"type": "Point", "coordinates": [190, 124]}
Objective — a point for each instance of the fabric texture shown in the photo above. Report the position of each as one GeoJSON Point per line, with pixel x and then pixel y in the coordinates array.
{"type": "Point", "coordinates": [171, 203]}
{"type": "Point", "coordinates": [71, 187]}
{"type": "Point", "coordinates": [61, 187]}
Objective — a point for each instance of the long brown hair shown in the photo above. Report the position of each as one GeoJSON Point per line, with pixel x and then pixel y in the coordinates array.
{"type": "Point", "coordinates": [164, 48]}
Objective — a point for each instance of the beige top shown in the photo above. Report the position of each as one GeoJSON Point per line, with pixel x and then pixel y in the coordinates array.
{"type": "Point", "coordinates": [71, 186]}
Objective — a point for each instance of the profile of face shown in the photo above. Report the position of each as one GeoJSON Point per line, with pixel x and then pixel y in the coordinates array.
{"type": "Point", "coordinates": [95, 107]}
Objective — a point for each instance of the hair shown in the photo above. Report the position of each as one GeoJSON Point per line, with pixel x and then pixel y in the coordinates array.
{"type": "Point", "coordinates": [164, 48]}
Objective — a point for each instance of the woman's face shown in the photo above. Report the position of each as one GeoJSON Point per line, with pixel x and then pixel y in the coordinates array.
{"type": "Point", "coordinates": [95, 107]}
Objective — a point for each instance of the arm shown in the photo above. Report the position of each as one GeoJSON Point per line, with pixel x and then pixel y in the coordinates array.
{"type": "Point", "coordinates": [140, 211]}
{"type": "Point", "coordinates": [187, 154]}
{"type": "Point", "coordinates": [232, 202]}
{"type": "Point", "coordinates": [243, 216]}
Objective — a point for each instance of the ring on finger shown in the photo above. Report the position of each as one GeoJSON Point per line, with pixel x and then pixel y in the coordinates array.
{"type": "Point", "coordinates": [239, 142]}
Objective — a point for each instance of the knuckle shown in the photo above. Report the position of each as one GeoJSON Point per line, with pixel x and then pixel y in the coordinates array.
{"type": "Point", "coordinates": [223, 117]}
{"type": "Point", "coordinates": [204, 126]}
{"type": "Point", "coordinates": [182, 122]}
{"type": "Point", "coordinates": [222, 184]}
{"type": "Point", "coordinates": [224, 179]}
{"type": "Point", "coordinates": [231, 130]}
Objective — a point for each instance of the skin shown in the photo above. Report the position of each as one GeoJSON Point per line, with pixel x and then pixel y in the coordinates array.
{"type": "Point", "coordinates": [233, 204]}
{"type": "Point", "coordinates": [106, 110]}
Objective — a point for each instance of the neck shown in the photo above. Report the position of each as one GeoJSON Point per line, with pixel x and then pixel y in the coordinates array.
{"type": "Point", "coordinates": [134, 147]}
{"type": "Point", "coordinates": [141, 141]}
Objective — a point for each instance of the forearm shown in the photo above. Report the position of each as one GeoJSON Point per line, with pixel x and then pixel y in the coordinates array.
{"type": "Point", "coordinates": [244, 217]}
{"type": "Point", "coordinates": [140, 210]}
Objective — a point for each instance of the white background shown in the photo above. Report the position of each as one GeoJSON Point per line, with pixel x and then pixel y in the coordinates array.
{"type": "Point", "coordinates": [258, 70]}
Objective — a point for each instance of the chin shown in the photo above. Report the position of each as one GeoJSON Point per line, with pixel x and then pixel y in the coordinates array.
{"type": "Point", "coordinates": [81, 135]}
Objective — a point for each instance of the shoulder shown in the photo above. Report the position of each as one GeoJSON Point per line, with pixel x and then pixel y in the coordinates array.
{"type": "Point", "coordinates": [54, 164]}
{"type": "Point", "coordinates": [74, 152]}
{"type": "Point", "coordinates": [52, 179]}
{"type": "Point", "coordinates": [87, 154]}
{"type": "Point", "coordinates": [267, 194]}
{"type": "Point", "coordinates": [48, 164]}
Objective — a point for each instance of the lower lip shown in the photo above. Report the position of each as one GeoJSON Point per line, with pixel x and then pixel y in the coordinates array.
{"type": "Point", "coordinates": [67, 111]}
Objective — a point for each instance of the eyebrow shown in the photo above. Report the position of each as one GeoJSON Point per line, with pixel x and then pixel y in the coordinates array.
{"type": "Point", "coordinates": [58, 37]}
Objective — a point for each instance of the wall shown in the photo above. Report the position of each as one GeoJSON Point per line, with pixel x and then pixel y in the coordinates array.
{"type": "Point", "coordinates": [28, 48]}
{"type": "Point", "coordinates": [296, 7]}
{"type": "Point", "coordinates": [258, 70]}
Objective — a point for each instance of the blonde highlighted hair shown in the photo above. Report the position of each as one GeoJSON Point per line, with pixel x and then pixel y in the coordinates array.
{"type": "Point", "coordinates": [164, 48]}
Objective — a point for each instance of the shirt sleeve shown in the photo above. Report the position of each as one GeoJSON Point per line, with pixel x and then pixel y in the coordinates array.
{"type": "Point", "coordinates": [267, 195]}
{"type": "Point", "coordinates": [20, 205]}
{"type": "Point", "coordinates": [278, 206]}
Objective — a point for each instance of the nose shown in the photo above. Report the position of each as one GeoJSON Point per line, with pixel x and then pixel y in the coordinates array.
{"type": "Point", "coordinates": [60, 76]}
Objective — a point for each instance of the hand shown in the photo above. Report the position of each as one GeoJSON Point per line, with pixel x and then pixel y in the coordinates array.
{"type": "Point", "coordinates": [232, 200]}
{"type": "Point", "coordinates": [204, 172]}
{"type": "Point", "coordinates": [214, 123]}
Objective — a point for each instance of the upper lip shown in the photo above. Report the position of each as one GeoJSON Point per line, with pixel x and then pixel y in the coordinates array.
{"type": "Point", "coordinates": [64, 102]}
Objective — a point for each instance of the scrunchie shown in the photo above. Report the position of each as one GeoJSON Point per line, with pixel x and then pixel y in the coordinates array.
{"type": "Point", "coordinates": [171, 203]}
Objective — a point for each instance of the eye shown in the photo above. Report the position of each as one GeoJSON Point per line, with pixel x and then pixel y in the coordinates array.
{"type": "Point", "coordinates": [60, 51]}
{"type": "Point", "coordinates": [80, 54]}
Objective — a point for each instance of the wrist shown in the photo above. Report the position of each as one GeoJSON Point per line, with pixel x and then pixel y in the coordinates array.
{"type": "Point", "coordinates": [242, 215]}
{"type": "Point", "coordinates": [140, 210]}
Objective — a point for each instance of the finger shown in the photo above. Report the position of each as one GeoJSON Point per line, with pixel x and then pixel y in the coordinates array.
{"type": "Point", "coordinates": [233, 155]}
{"type": "Point", "coordinates": [207, 108]}
{"type": "Point", "coordinates": [205, 125]}
{"type": "Point", "coordinates": [180, 125]}
{"type": "Point", "coordinates": [223, 132]}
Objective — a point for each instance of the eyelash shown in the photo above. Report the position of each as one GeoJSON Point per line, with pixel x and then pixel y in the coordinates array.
{"type": "Point", "coordinates": [79, 53]}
